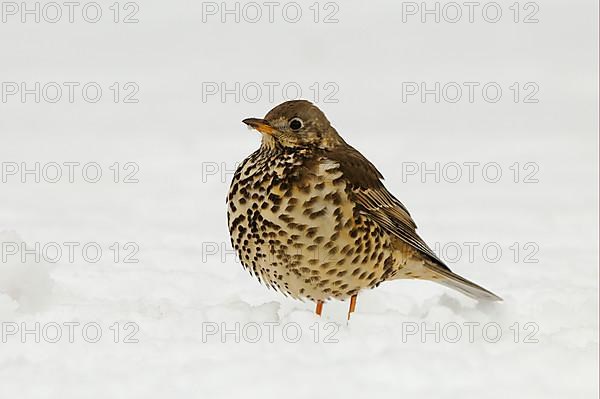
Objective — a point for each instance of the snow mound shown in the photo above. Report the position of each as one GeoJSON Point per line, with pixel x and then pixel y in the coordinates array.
{"type": "Point", "coordinates": [25, 285]}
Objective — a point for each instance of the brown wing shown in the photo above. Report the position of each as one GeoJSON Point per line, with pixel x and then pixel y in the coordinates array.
{"type": "Point", "coordinates": [377, 202]}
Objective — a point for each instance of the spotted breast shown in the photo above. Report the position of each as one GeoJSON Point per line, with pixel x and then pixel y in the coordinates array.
{"type": "Point", "coordinates": [294, 228]}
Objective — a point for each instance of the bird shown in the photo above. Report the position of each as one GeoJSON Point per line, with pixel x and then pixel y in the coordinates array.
{"type": "Point", "coordinates": [310, 217]}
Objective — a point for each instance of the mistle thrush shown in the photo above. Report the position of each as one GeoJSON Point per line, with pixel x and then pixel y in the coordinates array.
{"type": "Point", "coordinates": [310, 217]}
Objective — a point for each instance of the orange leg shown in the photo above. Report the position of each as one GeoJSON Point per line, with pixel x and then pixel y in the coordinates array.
{"type": "Point", "coordinates": [352, 305]}
{"type": "Point", "coordinates": [319, 309]}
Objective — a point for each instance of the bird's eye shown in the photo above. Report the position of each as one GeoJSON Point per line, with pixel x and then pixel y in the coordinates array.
{"type": "Point", "coordinates": [296, 124]}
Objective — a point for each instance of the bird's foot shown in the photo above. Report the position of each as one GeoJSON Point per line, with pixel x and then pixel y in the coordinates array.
{"type": "Point", "coordinates": [319, 308]}
{"type": "Point", "coordinates": [352, 305]}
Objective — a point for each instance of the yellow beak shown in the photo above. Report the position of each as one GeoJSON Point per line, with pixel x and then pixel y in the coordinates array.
{"type": "Point", "coordinates": [261, 125]}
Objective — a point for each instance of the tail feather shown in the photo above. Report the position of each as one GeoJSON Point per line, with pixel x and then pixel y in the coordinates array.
{"type": "Point", "coordinates": [461, 284]}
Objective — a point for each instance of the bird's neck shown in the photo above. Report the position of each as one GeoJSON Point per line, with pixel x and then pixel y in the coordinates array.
{"type": "Point", "coordinates": [269, 143]}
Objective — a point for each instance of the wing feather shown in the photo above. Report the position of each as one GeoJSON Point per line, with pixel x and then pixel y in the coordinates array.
{"type": "Point", "coordinates": [377, 203]}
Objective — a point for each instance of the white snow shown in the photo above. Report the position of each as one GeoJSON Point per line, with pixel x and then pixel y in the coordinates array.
{"type": "Point", "coordinates": [175, 308]}
{"type": "Point", "coordinates": [24, 284]}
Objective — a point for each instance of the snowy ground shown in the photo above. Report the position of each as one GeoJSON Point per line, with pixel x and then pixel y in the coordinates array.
{"type": "Point", "coordinates": [174, 312]}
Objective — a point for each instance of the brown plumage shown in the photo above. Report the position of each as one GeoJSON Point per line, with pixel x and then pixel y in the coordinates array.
{"type": "Point", "coordinates": [309, 215]}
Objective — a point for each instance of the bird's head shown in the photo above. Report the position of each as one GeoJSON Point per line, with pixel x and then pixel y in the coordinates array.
{"type": "Point", "coordinates": [297, 123]}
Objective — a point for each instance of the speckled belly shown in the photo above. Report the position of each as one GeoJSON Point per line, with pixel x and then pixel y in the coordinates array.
{"type": "Point", "coordinates": [306, 239]}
